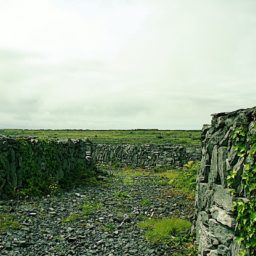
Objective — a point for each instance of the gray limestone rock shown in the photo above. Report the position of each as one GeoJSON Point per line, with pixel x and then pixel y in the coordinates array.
{"type": "Point", "coordinates": [214, 165]}
{"type": "Point", "coordinates": [222, 167]}
{"type": "Point", "coordinates": [223, 198]}
{"type": "Point", "coordinates": [222, 233]}
{"type": "Point", "coordinates": [222, 217]}
{"type": "Point", "coordinates": [214, 202]}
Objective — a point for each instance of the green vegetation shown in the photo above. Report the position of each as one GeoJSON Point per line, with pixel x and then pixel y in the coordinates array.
{"type": "Point", "coordinates": [90, 208]}
{"type": "Point", "coordinates": [139, 136]}
{"type": "Point", "coordinates": [129, 175]}
{"type": "Point", "coordinates": [170, 175]}
{"type": "Point", "coordinates": [145, 202]}
{"type": "Point", "coordinates": [87, 210]}
{"type": "Point", "coordinates": [45, 167]}
{"type": "Point", "coordinates": [109, 227]}
{"type": "Point", "coordinates": [171, 231]}
{"type": "Point", "coordinates": [72, 217]}
{"type": "Point", "coordinates": [121, 195]}
{"type": "Point", "coordinates": [165, 230]}
{"type": "Point", "coordinates": [7, 221]}
{"type": "Point", "coordinates": [47, 187]}
{"type": "Point", "coordinates": [183, 180]}
{"type": "Point", "coordinates": [54, 188]}
{"type": "Point", "coordinates": [128, 181]}
{"type": "Point", "coordinates": [244, 144]}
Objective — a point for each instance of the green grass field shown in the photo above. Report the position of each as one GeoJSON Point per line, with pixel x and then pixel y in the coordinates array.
{"type": "Point", "coordinates": [139, 136]}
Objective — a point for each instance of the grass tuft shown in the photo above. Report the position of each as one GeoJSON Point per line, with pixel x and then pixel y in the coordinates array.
{"type": "Point", "coordinates": [7, 221]}
{"type": "Point", "coordinates": [89, 208]}
{"type": "Point", "coordinates": [165, 230]}
{"type": "Point", "coordinates": [183, 180]}
{"type": "Point", "coordinates": [121, 195]}
{"type": "Point", "coordinates": [72, 217]}
{"type": "Point", "coordinates": [145, 202]}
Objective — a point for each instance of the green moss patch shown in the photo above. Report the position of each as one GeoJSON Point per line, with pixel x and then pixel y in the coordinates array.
{"type": "Point", "coordinates": [7, 221]}
{"type": "Point", "coordinates": [89, 208]}
{"type": "Point", "coordinates": [183, 180]}
{"type": "Point", "coordinates": [72, 217]}
{"type": "Point", "coordinates": [165, 230]}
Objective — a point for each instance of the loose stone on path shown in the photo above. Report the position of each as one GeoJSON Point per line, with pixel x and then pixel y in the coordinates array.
{"type": "Point", "coordinates": [56, 225]}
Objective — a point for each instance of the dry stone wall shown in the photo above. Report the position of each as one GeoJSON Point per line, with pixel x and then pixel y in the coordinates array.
{"type": "Point", "coordinates": [215, 215]}
{"type": "Point", "coordinates": [29, 163]}
{"type": "Point", "coordinates": [32, 163]}
{"type": "Point", "coordinates": [145, 155]}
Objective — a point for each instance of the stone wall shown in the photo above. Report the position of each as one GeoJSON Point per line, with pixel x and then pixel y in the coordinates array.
{"type": "Point", "coordinates": [29, 163]}
{"type": "Point", "coordinates": [145, 155]}
{"type": "Point", "coordinates": [215, 215]}
{"type": "Point", "coordinates": [24, 162]}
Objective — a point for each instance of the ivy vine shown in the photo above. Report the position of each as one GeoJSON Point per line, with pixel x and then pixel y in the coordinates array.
{"type": "Point", "coordinates": [243, 187]}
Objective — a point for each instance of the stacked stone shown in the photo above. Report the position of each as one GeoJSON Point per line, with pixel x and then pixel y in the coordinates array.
{"type": "Point", "coordinates": [21, 158]}
{"type": "Point", "coordinates": [215, 224]}
{"type": "Point", "coordinates": [145, 155]}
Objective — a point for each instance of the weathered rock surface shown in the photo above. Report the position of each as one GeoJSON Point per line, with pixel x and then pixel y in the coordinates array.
{"type": "Point", "coordinates": [145, 155]}
{"type": "Point", "coordinates": [24, 160]}
{"type": "Point", "coordinates": [215, 222]}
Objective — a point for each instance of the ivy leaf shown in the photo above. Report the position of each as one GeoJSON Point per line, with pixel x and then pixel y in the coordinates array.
{"type": "Point", "coordinates": [253, 216]}
{"type": "Point", "coordinates": [239, 239]}
{"type": "Point", "coordinates": [247, 167]}
{"type": "Point", "coordinates": [253, 149]}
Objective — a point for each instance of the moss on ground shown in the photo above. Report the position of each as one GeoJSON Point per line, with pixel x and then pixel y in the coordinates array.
{"type": "Point", "coordinates": [165, 230]}
{"type": "Point", "coordinates": [7, 221]}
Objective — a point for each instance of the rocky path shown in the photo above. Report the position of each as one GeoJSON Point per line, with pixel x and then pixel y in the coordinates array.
{"type": "Point", "coordinates": [95, 220]}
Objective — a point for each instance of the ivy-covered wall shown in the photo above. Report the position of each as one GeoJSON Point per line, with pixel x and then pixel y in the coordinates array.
{"type": "Point", "coordinates": [145, 155]}
{"type": "Point", "coordinates": [226, 188]}
{"type": "Point", "coordinates": [29, 165]}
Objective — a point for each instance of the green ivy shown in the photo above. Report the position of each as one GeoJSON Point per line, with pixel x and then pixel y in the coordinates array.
{"type": "Point", "coordinates": [244, 144]}
{"type": "Point", "coordinates": [44, 166]}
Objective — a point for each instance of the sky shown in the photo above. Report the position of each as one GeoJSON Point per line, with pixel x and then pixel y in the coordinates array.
{"type": "Point", "coordinates": [125, 64]}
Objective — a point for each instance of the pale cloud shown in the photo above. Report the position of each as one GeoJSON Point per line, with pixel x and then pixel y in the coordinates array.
{"type": "Point", "coordinates": [125, 64]}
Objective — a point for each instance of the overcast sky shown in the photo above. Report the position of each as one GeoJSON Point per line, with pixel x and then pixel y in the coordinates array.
{"type": "Point", "coordinates": [102, 64]}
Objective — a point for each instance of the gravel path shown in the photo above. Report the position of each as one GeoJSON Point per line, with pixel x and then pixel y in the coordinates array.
{"type": "Point", "coordinates": [95, 220]}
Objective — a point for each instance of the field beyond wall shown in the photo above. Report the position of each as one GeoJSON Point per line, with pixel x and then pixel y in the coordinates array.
{"type": "Point", "coordinates": [137, 136]}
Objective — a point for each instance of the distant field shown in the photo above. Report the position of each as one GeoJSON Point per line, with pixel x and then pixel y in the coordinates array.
{"type": "Point", "coordinates": [139, 136]}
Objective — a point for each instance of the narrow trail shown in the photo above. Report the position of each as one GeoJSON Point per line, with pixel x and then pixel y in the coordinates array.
{"type": "Point", "coordinates": [93, 220]}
